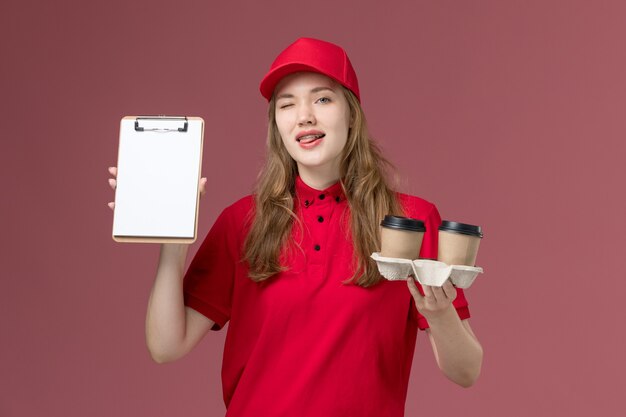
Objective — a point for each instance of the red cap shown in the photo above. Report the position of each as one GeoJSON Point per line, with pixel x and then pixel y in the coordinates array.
{"type": "Point", "coordinates": [308, 54]}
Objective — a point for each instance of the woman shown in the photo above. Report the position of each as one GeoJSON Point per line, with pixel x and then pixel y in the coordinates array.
{"type": "Point", "coordinates": [314, 329]}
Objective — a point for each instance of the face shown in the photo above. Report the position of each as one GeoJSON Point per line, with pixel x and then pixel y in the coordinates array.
{"type": "Point", "coordinates": [313, 119]}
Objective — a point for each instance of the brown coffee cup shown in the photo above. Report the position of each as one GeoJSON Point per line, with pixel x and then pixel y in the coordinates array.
{"type": "Point", "coordinates": [458, 243]}
{"type": "Point", "coordinates": [401, 237]}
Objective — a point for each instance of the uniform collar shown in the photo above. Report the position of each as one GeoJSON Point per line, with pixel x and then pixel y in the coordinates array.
{"type": "Point", "coordinates": [309, 196]}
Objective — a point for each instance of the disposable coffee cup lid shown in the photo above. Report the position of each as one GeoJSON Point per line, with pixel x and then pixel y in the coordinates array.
{"type": "Point", "coordinates": [462, 228]}
{"type": "Point", "coordinates": [403, 223]}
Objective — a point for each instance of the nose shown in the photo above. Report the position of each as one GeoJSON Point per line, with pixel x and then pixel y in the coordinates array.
{"type": "Point", "coordinates": [305, 115]}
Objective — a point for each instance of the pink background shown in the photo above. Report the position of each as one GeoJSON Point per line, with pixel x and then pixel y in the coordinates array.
{"type": "Point", "coordinates": [507, 114]}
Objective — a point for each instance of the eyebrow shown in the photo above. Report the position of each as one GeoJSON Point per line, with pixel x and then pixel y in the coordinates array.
{"type": "Point", "coordinates": [314, 90]}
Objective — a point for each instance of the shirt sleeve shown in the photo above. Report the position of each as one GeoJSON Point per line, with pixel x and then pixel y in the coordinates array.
{"type": "Point", "coordinates": [429, 251]}
{"type": "Point", "coordinates": [209, 281]}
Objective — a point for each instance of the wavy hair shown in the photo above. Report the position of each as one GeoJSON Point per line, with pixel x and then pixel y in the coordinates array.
{"type": "Point", "coordinates": [363, 176]}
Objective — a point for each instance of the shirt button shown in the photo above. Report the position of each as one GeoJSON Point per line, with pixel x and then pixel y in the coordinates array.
{"type": "Point", "coordinates": [320, 219]}
{"type": "Point", "coordinates": [337, 199]}
{"type": "Point", "coordinates": [306, 203]}
{"type": "Point", "coordinates": [317, 247]}
{"type": "Point", "coordinates": [322, 196]}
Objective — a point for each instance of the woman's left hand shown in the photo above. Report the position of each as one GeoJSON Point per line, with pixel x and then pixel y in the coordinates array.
{"type": "Point", "coordinates": [435, 301]}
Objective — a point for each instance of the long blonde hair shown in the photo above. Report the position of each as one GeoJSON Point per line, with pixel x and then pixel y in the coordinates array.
{"type": "Point", "coordinates": [363, 176]}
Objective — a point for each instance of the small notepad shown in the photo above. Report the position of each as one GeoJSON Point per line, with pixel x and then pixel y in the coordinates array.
{"type": "Point", "coordinates": [158, 172]}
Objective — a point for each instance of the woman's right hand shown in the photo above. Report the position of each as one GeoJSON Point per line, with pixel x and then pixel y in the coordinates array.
{"type": "Point", "coordinates": [172, 329]}
{"type": "Point", "coordinates": [113, 184]}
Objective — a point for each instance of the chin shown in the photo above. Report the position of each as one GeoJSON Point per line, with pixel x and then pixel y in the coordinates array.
{"type": "Point", "coordinates": [313, 164]}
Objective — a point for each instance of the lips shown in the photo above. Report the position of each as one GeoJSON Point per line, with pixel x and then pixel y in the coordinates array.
{"type": "Point", "coordinates": [309, 136]}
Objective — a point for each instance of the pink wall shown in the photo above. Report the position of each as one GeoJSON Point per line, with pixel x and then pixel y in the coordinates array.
{"type": "Point", "coordinates": [508, 114]}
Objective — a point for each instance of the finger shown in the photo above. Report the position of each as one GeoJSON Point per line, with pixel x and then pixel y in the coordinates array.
{"type": "Point", "coordinates": [202, 186]}
{"type": "Point", "coordinates": [112, 183]}
{"type": "Point", "coordinates": [438, 293]}
{"type": "Point", "coordinates": [111, 205]}
{"type": "Point", "coordinates": [410, 281]}
{"type": "Point", "coordinates": [428, 293]}
{"type": "Point", "coordinates": [113, 171]}
{"type": "Point", "coordinates": [449, 290]}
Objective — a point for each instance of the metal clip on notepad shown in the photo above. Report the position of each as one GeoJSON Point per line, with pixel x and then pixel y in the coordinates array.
{"type": "Point", "coordinates": [161, 124]}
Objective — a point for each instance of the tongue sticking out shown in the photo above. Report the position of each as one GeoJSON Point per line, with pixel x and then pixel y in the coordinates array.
{"type": "Point", "coordinates": [310, 138]}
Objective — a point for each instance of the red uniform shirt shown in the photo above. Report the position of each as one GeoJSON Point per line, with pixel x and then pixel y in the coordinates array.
{"type": "Point", "coordinates": [302, 343]}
